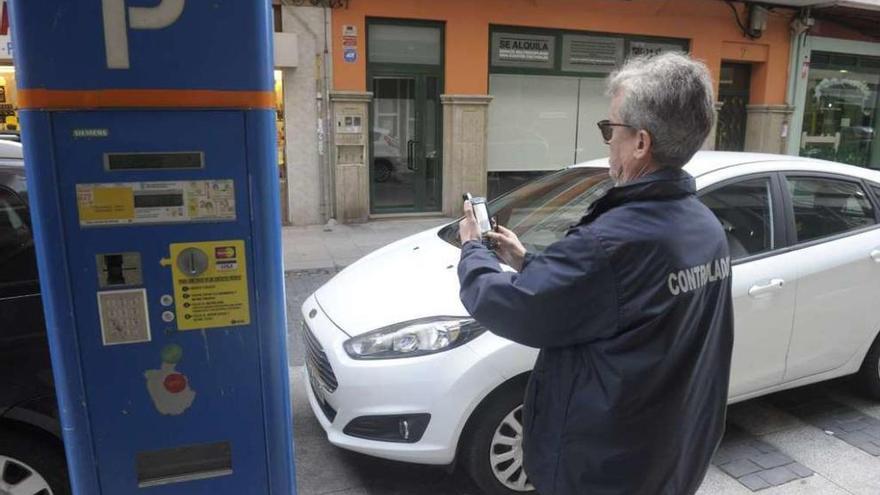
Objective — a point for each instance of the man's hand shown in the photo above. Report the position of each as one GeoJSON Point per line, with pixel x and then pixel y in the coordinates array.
{"type": "Point", "coordinates": [508, 247]}
{"type": "Point", "coordinates": [468, 230]}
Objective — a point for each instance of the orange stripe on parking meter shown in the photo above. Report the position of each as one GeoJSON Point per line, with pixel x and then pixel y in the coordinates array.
{"type": "Point", "coordinates": [50, 99]}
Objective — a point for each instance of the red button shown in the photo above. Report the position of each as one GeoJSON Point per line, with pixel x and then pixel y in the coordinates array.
{"type": "Point", "coordinates": [175, 383]}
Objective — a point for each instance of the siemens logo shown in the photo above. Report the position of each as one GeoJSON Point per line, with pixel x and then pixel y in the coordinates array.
{"type": "Point", "coordinates": [695, 277]}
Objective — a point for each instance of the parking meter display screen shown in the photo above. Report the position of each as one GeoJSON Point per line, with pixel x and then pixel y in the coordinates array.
{"type": "Point", "coordinates": [154, 161]}
{"type": "Point", "coordinates": [158, 200]}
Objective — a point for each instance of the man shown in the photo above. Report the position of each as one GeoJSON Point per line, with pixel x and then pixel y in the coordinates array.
{"type": "Point", "coordinates": [631, 310]}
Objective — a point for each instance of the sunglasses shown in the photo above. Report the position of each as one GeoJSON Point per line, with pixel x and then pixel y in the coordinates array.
{"type": "Point", "coordinates": [607, 129]}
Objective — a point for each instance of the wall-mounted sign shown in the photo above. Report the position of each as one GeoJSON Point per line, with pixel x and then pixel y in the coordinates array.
{"type": "Point", "coordinates": [639, 48]}
{"type": "Point", "coordinates": [591, 53]}
{"type": "Point", "coordinates": [523, 50]}
{"type": "Point", "coordinates": [349, 43]}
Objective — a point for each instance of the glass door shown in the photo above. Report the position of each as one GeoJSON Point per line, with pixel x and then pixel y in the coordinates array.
{"type": "Point", "coordinates": [404, 73]}
{"type": "Point", "coordinates": [405, 173]}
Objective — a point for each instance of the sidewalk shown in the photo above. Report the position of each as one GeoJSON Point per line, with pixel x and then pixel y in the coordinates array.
{"type": "Point", "coordinates": [318, 246]}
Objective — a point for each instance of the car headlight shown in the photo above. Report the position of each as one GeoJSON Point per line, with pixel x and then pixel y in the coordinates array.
{"type": "Point", "coordinates": [414, 338]}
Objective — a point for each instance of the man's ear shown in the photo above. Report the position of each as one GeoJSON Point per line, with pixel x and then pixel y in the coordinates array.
{"type": "Point", "coordinates": [644, 145]}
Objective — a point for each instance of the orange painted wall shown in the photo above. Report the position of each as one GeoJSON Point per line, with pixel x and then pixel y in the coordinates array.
{"type": "Point", "coordinates": [707, 23]}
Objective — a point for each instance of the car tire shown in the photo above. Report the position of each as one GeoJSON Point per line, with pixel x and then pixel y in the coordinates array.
{"type": "Point", "coordinates": [32, 457]}
{"type": "Point", "coordinates": [869, 375]}
{"type": "Point", "coordinates": [496, 429]}
{"type": "Point", "coordinates": [382, 170]}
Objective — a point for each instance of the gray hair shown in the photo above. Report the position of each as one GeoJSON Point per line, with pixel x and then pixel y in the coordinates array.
{"type": "Point", "coordinates": [670, 96]}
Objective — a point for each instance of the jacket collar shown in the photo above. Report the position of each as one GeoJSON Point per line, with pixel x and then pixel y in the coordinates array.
{"type": "Point", "coordinates": [658, 185]}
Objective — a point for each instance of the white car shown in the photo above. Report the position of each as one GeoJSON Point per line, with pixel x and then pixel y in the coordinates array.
{"type": "Point", "coordinates": [398, 370]}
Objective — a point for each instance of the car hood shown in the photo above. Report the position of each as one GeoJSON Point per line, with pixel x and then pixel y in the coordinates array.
{"type": "Point", "coordinates": [412, 278]}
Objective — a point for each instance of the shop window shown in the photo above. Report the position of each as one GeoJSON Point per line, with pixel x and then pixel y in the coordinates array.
{"type": "Point", "coordinates": [841, 110]}
{"type": "Point", "coordinates": [548, 88]}
{"type": "Point", "coordinates": [825, 207]}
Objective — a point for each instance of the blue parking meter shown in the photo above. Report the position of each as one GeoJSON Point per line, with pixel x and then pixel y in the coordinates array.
{"type": "Point", "coordinates": [149, 133]}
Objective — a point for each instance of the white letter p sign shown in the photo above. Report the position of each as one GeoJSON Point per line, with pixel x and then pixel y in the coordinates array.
{"type": "Point", "coordinates": [116, 31]}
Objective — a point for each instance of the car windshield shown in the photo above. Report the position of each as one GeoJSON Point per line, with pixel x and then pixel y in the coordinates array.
{"type": "Point", "coordinates": [540, 212]}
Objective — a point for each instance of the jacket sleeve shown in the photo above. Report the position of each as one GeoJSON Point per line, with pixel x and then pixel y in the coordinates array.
{"type": "Point", "coordinates": [565, 296]}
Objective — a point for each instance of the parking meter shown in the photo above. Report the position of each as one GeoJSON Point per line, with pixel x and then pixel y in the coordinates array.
{"type": "Point", "coordinates": [149, 134]}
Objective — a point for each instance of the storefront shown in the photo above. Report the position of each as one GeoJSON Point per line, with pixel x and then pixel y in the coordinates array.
{"type": "Point", "coordinates": [477, 96]}
{"type": "Point", "coordinates": [837, 95]}
{"type": "Point", "coordinates": [8, 88]}
{"type": "Point", "coordinates": [548, 89]}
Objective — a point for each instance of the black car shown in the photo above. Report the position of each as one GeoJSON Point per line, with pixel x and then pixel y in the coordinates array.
{"type": "Point", "coordinates": [31, 452]}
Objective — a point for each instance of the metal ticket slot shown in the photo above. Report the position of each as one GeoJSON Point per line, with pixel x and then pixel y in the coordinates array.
{"type": "Point", "coordinates": [149, 146]}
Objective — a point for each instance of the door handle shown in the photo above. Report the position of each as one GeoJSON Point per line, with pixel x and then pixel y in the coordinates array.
{"type": "Point", "coordinates": [411, 161]}
{"type": "Point", "coordinates": [774, 285]}
{"type": "Point", "coordinates": [875, 255]}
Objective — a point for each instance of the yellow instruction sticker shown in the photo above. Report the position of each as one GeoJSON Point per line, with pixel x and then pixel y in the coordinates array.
{"type": "Point", "coordinates": [210, 284]}
{"type": "Point", "coordinates": [99, 204]}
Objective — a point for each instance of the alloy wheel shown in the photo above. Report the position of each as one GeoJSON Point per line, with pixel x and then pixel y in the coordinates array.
{"type": "Point", "coordinates": [17, 478]}
{"type": "Point", "coordinates": [506, 455]}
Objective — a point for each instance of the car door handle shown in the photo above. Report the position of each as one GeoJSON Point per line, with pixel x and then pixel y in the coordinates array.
{"type": "Point", "coordinates": [875, 255]}
{"type": "Point", "coordinates": [774, 285]}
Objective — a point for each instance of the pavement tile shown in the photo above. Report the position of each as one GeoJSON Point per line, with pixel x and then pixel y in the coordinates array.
{"type": "Point", "coordinates": [740, 468]}
{"type": "Point", "coordinates": [862, 441]}
{"type": "Point", "coordinates": [855, 424]}
{"type": "Point", "coordinates": [873, 431]}
{"type": "Point", "coordinates": [764, 447]}
{"type": "Point", "coordinates": [778, 476]}
{"type": "Point", "coordinates": [771, 460]}
{"type": "Point", "coordinates": [800, 470]}
{"type": "Point", "coordinates": [754, 482]}
{"type": "Point", "coordinates": [740, 451]}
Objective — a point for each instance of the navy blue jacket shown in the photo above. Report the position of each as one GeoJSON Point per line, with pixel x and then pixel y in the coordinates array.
{"type": "Point", "coordinates": [633, 315]}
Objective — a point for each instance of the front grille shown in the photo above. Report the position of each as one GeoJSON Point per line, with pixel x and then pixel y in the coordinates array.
{"type": "Point", "coordinates": [317, 360]}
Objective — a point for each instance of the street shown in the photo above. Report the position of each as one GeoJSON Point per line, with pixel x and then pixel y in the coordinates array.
{"type": "Point", "coordinates": [822, 439]}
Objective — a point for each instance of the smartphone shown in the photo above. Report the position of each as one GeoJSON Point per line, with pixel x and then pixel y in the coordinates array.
{"type": "Point", "coordinates": [481, 212]}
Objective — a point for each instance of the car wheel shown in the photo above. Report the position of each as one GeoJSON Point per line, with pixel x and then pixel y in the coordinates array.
{"type": "Point", "coordinates": [31, 464]}
{"type": "Point", "coordinates": [492, 453]}
{"type": "Point", "coordinates": [870, 372]}
{"type": "Point", "coordinates": [382, 170]}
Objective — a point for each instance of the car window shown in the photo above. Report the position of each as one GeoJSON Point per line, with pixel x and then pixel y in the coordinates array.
{"type": "Point", "coordinates": [17, 262]}
{"type": "Point", "coordinates": [745, 211]}
{"type": "Point", "coordinates": [541, 211]}
{"type": "Point", "coordinates": [826, 207]}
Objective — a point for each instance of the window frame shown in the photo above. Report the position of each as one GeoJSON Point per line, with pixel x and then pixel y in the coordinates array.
{"type": "Point", "coordinates": [780, 230]}
{"type": "Point", "coordinates": [794, 244]}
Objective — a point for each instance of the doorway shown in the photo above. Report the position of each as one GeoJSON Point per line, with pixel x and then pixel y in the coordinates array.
{"type": "Point", "coordinates": [733, 92]}
{"type": "Point", "coordinates": [405, 75]}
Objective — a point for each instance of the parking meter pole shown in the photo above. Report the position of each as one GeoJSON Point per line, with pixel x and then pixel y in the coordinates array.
{"type": "Point", "coordinates": [150, 150]}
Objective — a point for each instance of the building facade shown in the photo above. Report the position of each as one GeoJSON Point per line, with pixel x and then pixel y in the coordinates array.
{"type": "Point", "coordinates": [433, 99]}
{"type": "Point", "coordinates": [835, 86]}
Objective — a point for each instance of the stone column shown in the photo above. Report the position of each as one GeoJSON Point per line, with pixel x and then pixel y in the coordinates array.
{"type": "Point", "coordinates": [350, 153]}
{"type": "Point", "coordinates": [305, 173]}
{"type": "Point", "coordinates": [709, 144]}
{"type": "Point", "coordinates": [465, 148]}
{"type": "Point", "coordinates": [764, 127]}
